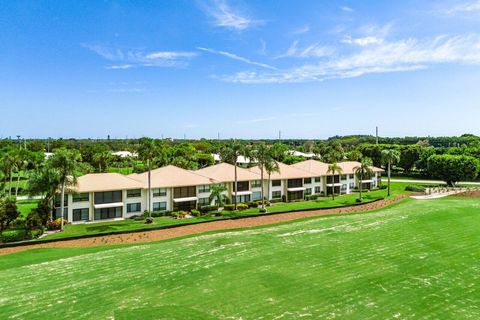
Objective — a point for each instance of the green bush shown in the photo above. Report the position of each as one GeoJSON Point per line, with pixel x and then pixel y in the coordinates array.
{"type": "Point", "coordinates": [13, 235]}
{"type": "Point", "coordinates": [275, 200]}
{"type": "Point", "coordinates": [414, 188]}
{"type": "Point", "coordinates": [263, 210]}
{"type": "Point", "coordinates": [149, 220]}
{"type": "Point", "coordinates": [253, 204]}
{"type": "Point", "coordinates": [179, 214]}
{"type": "Point", "coordinates": [228, 207]}
{"type": "Point", "coordinates": [383, 187]}
{"type": "Point", "coordinates": [206, 209]}
{"type": "Point", "coordinates": [312, 197]}
{"type": "Point", "coordinates": [359, 200]}
{"type": "Point", "coordinates": [161, 213]}
{"type": "Point", "coordinates": [242, 206]}
{"type": "Point", "coordinates": [35, 233]}
{"type": "Point", "coordinates": [195, 213]}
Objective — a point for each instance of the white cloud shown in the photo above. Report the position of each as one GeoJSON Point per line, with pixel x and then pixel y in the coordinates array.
{"type": "Point", "coordinates": [139, 58]}
{"type": "Point", "coordinates": [365, 41]}
{"type": "Point", "coordinates": [402, 55]}
{"type": "Point", "coordinates": [304, 29]}
{"type": "Point", "coordinates": [346, 9]}
{"type": "Point", "coordinates": [226, 16]}
{"type": "Point", "coordinates": [315, 50]}
{"type": "Point", "coordinates": [120, 67]}
{"type": "Point", "coordinates": [465, 7]}
{"type": "Point", "coordinates": [236, 57]}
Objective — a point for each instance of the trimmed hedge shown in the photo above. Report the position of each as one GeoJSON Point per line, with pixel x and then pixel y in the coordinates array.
{"type": "Point", "coordinates": [207, 209]}
{"type": "Point", "coordinates": [414, 188]}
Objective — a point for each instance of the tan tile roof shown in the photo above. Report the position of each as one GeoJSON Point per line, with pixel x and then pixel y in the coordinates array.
{"type": "Point", "coordinates": [105, 182]}
{"type": "Point", "coordinates": [348, 167]}
{"type": "Point", "coordinates": [286, 172]}
{"type": "Point", "coordinates": [225, 172]}
{"type": "Point", "coordinates": [171, 176]}
{"type": "Point", "coordinates": [315, 167]}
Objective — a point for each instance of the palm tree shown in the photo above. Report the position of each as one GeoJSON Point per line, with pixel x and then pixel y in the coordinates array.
{"type": "Point", "coordinates": [390, 156]}
{"type": "Point", "coordinates": [362, 170]}
{"type": "Point", "coordinates": [66, 162]}
{"type": "Point", "coordinates": [103, 159]}
{"type": "Point", "coordinates": [21, 159]}
{"type": "Point", "coordinates": [334, 168]}
{"type": "Point", "coordinates": [230, 154]}
{"type": "Point", "coordinates": [44, 181]}
{"type": "Point", "coordinates": [216, 193]}
{"type": "Point", "coordinates": [147, 151]}
{"type": "Point", "coordinates": [7, 164]}
{"type": "Point", "coordinates": [262, 156]}
{"type": "Point", "coordinates": [271, 166]}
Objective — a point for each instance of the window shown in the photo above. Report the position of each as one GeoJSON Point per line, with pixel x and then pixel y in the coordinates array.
{"type": "Point", "coordinates": [243, 199]}
{"type": "Point", "coordinates": [318, 190]}
{"type": "Point", "coordinates": [351, 176]}
{"type": "Point", "coordinates": [295, 183]}
{"type": "Point", "coordinates": [204, 189]}
{"type": "Point", "coordinates": [80, 197]}
{"type": "Point", "coordinates": [276, 194]}
{"type": "Point", "coordinates": [184, 206]}
{"type": "Point", "coordinates": [257, 195]}
{"type": "Point", "coordinates": [318, 179]}
{"type": "Point", "coordinates": [276, 183]}
{"type": "Point", "coordinates": [203, 201]}
{"type": "Point", "coordinates": [57, 213]}
{"type": "Point", "coordinates": [184, 192]}
{"type": "Point", "coordinates": [81, 214]}
{"type": "Point", "coordinates": [159, 192]}
{"type": "Point", "coordinates": [134, 207]}
{"type": "Point", "coordinates": [256, 184]}
{"type": "Point", "coordinates": [108, 213]}
{"type": "Point", "coordinates": [352, 185]}
{"type": "Point", "coordinates": [295, 195]}
{"type": "Point", "coordinates": [308, 191]}
{"type": "Point", "coordinates": [344, 187]}
{"type": "Point", "coordinates": [108, 197]}
{"type": "Point", "coordinates": [135, 193]}
{"type": "Point", "coordinates": [307, 180]}
{"type": "Point", "coordinates": [159, 206]}
{"type": "Point", "coordinates": [336, 179]}
{"type": "Point", "coordinates": [241, 186]}
{"type": "Point", "coordinates": [343, 177]}
{"type": "Point", "coordinates": [58, 201]}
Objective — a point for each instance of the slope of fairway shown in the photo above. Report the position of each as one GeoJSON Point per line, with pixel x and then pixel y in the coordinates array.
{"type": "Point", "coordinates": [417, 259]}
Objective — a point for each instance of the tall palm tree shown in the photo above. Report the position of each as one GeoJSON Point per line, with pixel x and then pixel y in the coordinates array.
{"type": "Point", "coordinates": [216, 193]}
{"type": "Point", "coordinates": [334, 168]}
{"type": "Point", "coordinates": [22, 156]}
{"type": "Point", "coordinates": [230, 154]}
{"type": "Point", "coordinates": [147, 151]}
{"type": "Point", "coordinates": [103, 159]}
{"type": "Point", "coordinates": [66, 162]}
{"type": "Point", "coordinates": [362, 170]}
{"type": "Point", "coordinates": [271, 166]}
{"type": "Point", "coordinates": [262, 156]}
{"type": "Point", "coordinates": [390, 156]}
{"type": "Point", "coordinates": [7, 164]}
{"type": "Point", "coordinates": [44, 181]}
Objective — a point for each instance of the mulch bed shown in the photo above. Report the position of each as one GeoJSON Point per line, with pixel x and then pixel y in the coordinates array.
{"type": "Point", "coordinates": [156, 235]}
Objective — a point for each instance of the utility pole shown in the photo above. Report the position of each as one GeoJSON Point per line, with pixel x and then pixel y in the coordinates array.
{"type": "Point", "coordinates": [218, 136]}
{"type": "Point", "coordinates": [279, 135]}
{"type": "Point", "coordinates": [19, 142]}
{"type": "Point", "coordinates": [376, 135]}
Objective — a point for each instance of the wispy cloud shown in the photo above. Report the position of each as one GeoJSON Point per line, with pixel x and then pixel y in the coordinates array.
{"type": "Point", "coordinates": [256, 120]}
{"type": "Point", "coordinates": [227, 17]}
{"type": "Point", "coordinates": [464, 7]}
{"type": "Point", "coordinates": [315, 50]}
{"type": "Point", "coordinates": [365, 41]}
{"type": "Point", "coordinates": [302, 30]}
{"type": "Point", "coordinates": [130, 58]}
{"type": "Point", "coordinates": [402, 55]}
{"type": "Point", "coordinates": [346, 9]}
{"type": "Point", "coordinates": [237, 57]}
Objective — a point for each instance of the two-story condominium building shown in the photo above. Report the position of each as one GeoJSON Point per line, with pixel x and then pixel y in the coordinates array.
{"type": "Point", "coordinates": [174, 189]}
{"type": "Point", "coordinates": [248, 183]}
{"type": "Point", "coordinates": [289, 182]}
{"type": "Point", "coordinates": [349, 180]}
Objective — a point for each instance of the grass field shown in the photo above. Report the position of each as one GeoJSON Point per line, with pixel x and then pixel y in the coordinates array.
{"type": "Point", "coordinates": [414, 260]}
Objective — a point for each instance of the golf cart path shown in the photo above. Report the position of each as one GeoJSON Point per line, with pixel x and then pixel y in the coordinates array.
{"type": "Point", "coordinates": [433, 182]}
{"type": "Point", "coordinates": [163, 234]}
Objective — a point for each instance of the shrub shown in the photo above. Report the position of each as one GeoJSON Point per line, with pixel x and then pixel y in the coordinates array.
{"type": "Point", "coordinates": [383, 187]}
{"type": "Point", "coordinates": [55, 224]}
{"type": "Point", "coordinates": [149, 220]}
{"type": "Point", "coordinates": [359, 200]}
{"type": "Point", "coordinates": [205, 209]}
{"type": "Point", "coordinates": [253, 204]}
{"type": "Point", "coordinates": [33, 221]}
{"type": "Point", "coordinates": [179, 214]}
{"type": "Point", "coordinates": [13, 235]}
{"type": "Point", "coordinates": [161, 213]}
{"type": "Point", "coordinates": [35, 233]}
{"type": "Point", "coordinates": [414, 188]}
{"type": "Point", "coordinates": [275, 200]}
{"type": "Point", "coordinates": [228, 207]}
{"type": "Point", "coordinates": [312, 197]}
{"type": "Point", "coordinates": [284, 198]}
{"type": "Point", "coordinates": [195, 213]}
{"type": "Point", "coordinates": [242, 206]}
{"type": "Point", "coordinates": [263, 210]}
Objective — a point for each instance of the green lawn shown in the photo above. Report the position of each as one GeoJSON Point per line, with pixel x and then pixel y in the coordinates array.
{"type": "Point", "coordinates": [413, 260]}
{"type": "Point", "coordinates": [25, 206]}
{"type": "Point", "coordinates": [129, 224]}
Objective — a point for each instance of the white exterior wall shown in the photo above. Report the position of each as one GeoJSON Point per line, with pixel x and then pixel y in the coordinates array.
{"type": "Point", "coordinates": [168, 198]}
{"type": "Point", "coordinates": [142, 200]}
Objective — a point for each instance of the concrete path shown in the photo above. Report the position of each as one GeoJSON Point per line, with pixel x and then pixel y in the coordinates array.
{"type": "Point", "coordinates": [430, 181]}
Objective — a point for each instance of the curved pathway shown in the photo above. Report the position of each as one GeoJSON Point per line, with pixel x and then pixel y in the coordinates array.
{"type": "Point", "coordinates": [156, 235]}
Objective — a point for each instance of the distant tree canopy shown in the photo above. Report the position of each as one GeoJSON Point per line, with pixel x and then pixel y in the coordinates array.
{"type": "Point", "coordinates": [452, 168]}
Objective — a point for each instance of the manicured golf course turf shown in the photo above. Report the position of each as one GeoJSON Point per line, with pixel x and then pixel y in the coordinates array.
{"type": "Point", "coordinates": [414, 260]}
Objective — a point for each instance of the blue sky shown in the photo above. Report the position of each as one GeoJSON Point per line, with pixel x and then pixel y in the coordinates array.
{"type": "Point", "coordinates": [246, 69]}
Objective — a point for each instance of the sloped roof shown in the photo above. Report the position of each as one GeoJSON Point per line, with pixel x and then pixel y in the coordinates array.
{"type": "Point", "coordinates": [225, 172]}
{"type": "Point", "coordinates": [172, 176]}
{"type": "Point", "coordinates": [348, 167]}
{"type": "Point", "coordinates": [286, 172]}
{"type": "Point", "coordinates": [315, 167]}
{"type": "Point", "coordinates": [105, 182]}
